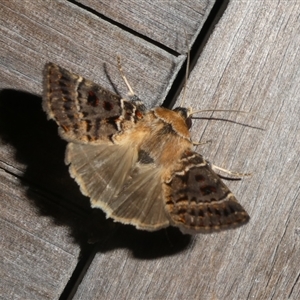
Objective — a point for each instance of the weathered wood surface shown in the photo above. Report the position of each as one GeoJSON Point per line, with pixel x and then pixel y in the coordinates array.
{"type": "Point", "coordinates": [167, 22]}
{"type": "Point", "coordinates": [250, 63]}
{"type": "Point", "coordinates": [37, 255]}
{"type": "Point", "coordinates": [46, 222]}
{"type": "Point", "coordinates": [34, 33]}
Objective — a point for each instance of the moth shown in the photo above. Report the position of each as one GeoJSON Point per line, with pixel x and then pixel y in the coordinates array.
{"type": "Point", "coordinates": [137, 165]}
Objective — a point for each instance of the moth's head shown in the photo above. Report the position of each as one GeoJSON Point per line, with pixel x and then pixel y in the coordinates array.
{"type": "Point", "coordinates": [185, 113]}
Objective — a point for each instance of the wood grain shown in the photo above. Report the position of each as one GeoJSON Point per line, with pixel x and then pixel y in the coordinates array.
{"type": "Point", "coordinates": [38, 256]}
{"type": "Point", "coordinates": [170, 23]}
{"type": "Point", "coordinates": [34, 33]}
{"type": "Point", "coordinates": [250, 63]}
{"type": "Point", "coordinates": [46, 224]}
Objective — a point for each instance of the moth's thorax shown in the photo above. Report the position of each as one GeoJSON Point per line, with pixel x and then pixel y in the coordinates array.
{"type": "Point", "coordinates": [174, 119]}
{"type": "Point", "coordinates": [167, 136]}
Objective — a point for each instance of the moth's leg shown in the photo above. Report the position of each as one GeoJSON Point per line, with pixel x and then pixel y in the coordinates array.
{"type": "Point", "coordinates": [131, 94]}
{"type": "Point", "coordinates": [202, 143]}
{"type": "Point", "coordinates": [236, 174]}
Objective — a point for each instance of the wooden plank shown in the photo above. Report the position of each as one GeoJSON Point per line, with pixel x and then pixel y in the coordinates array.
{"type": "Point", "coordinates": [250, 63]}
{"type": "Point", "coordinates": [38, 256]}
{"type": "Point", "coordinates": [168, 23]}
{"type": "Point", "coordinates": [33, 33]}
{"type": "Point", "coordinates": [255, 59]}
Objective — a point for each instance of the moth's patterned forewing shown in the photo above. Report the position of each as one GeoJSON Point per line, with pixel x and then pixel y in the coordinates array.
{"type": "Point", "coordinates": [197, 199]}
{"type": "Point", "coordinates": [136, 165]}
{"type": "Point", "coordinates": [84, 111]}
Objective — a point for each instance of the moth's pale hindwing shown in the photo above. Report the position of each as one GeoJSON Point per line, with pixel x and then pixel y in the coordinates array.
{"type": "Point", "coordinates": [126, 190]}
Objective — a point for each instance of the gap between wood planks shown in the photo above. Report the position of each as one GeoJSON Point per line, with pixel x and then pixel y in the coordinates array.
{"type": "Point", "coordinates": [195, 51]}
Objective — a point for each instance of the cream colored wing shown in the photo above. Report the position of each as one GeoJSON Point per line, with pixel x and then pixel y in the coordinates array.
{"type": "Point", "coordinates": [140, 201]}
{"type": "Point", "coordinates": [127, 191]}
{"type": "Point", "coordinates": [100, 170]}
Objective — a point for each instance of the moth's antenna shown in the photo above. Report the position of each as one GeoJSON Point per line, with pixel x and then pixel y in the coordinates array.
{"type": "Point", "coordinates": [218, 110]}
{"type": "Point", "coordinates": [227, 110]}
{"type": "Point", "coordinates": [187, 70]}
{"type": "Point", "coordinates": [131, 92]}
{"type": "Point", "coordinates": [202, 143]}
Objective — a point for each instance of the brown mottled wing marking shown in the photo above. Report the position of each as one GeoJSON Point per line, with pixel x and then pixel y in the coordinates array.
{"type": "Point", "coordinates": [198, 201]}
{"type": "Point", "coordinates": [83, 110]}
